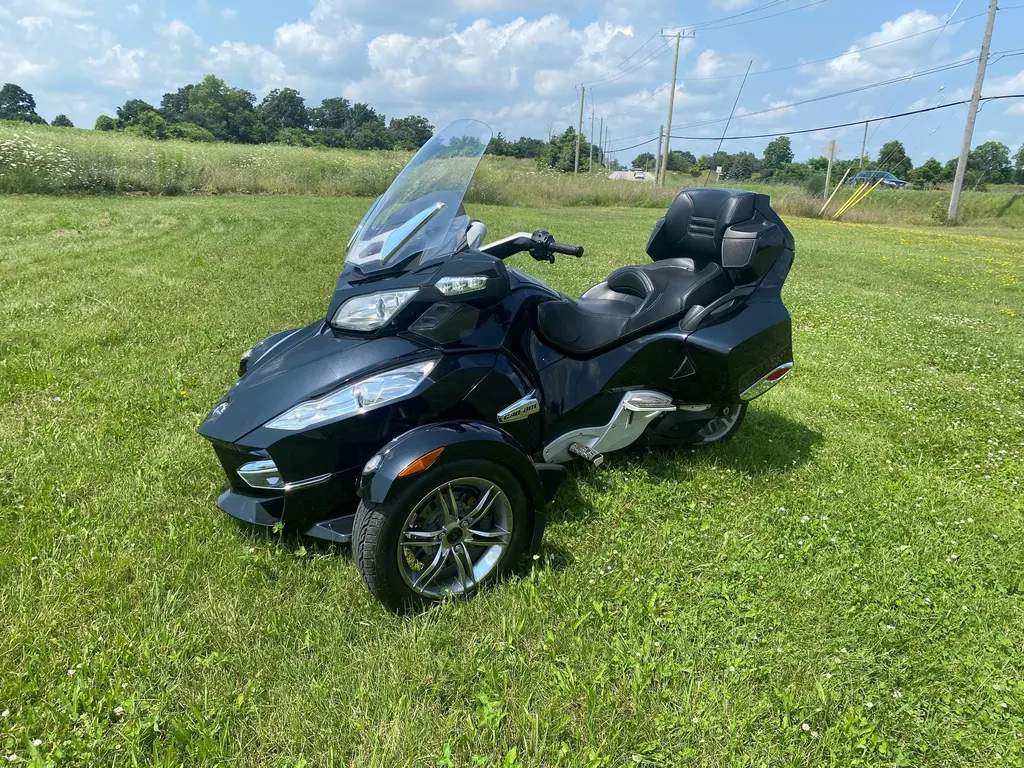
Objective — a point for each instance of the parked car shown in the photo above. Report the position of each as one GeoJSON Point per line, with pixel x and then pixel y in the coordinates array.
{"type": "Point", "coordinates": [871, 177]}
{"type": "Point", "coordinates": [639, 175]}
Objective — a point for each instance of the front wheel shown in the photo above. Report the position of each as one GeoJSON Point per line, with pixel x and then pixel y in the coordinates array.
{"type": "Point", "coordinates": [455, 529]}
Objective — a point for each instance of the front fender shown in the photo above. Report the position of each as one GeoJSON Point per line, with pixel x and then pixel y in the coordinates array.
{"type": "Point", "coordinates": [460, 440]}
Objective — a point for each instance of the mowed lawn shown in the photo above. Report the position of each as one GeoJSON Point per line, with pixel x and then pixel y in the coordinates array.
{"type": "Point", "coordinates": [842, 584]}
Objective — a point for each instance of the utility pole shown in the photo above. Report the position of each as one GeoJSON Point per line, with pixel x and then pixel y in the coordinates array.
{"type": "Point", "coordinates": [657, 153]}
{"type": "Point", "coordinates": [579, 131]}
{"type": "Point", "coordinates": [600, 144]}
{"type": "Point", "coordinates": [830, 150]}
{"type": "Point", "coordinates": [672, 102]}
{"type": "Point", "coordinates": [863, 144]}
{"type": "Point", "coordinates": [972, 114]}
{"type": "Point", "coordinates": [590, 167]}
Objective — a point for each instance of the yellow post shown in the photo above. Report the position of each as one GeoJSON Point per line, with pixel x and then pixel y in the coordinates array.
{"type": "Point", "coordinates": [834, 192]}
{"type": "Point", "coordinates": [843, 207]}
{"type": "Point", "coordinates": [858, 200]}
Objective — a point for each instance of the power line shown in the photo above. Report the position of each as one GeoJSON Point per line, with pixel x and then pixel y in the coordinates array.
{"type": "Point", "coordinates": [634, 53]}
{"type": "Point", "coordinates": [748, 21]}
{"type": "Point", "coordinates": [827, 127]}
{"type": "Point", "coordinates": [830, 58]}
{"type": "Point", "coordinates": [633, 68]}
{"type": "Point", "coordinates": [858, 89]}
{"type": "Point", "coordinates": [712, 22]}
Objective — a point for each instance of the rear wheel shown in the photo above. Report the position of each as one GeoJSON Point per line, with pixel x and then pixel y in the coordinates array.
{"type": "Point", "coordinates": [722, 426]}
{"type": "Point", "coordinates": [454, 530]}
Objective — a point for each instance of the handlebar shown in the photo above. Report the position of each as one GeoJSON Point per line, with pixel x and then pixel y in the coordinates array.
{"type": "Point", "coordinates": [568, 250]}
{"type": "Point", "coordinates": [540, 244]}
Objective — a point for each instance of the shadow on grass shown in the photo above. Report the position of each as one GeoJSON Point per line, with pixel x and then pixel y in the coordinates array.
{"type": "Point", "coordinates": [765, 444]}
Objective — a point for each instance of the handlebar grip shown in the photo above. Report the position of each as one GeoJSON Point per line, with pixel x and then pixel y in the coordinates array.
{"type": "Point", "coordinates": [568, 250]}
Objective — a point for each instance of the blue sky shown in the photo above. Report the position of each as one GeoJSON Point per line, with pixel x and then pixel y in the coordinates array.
{"type": "Point", "coordinates": [516, 64]}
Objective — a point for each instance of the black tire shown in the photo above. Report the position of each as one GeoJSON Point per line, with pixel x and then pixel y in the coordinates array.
{"type": "Point", "coordinates": [377, 528]}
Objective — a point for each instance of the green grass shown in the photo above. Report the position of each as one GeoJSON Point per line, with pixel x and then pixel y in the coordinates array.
{"type": "Point", "coordinates": [46, 160]}
{"type": "Point", "coordinates": [841, 584]}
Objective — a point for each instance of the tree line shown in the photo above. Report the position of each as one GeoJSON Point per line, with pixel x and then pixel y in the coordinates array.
{"type": "Point", "coordinates": [988, 163]}
{"type": "Point", "coordinates": [211, 110]}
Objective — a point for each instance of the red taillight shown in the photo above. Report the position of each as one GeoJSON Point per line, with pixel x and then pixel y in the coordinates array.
{"type": "Point", "coordinates": [766, 382]}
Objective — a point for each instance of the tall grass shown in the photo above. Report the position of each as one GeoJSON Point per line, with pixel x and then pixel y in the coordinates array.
{"type": "Point", "coordinates": [47, 160]}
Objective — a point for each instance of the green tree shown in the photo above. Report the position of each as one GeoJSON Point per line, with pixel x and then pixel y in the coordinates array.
{"type": "Point", "coordinates": [949, 170]}
{"type": "Point", "coordinates": [525, 147]}
{"type": "Point", "coordinates": [411, 132]}
{"type": "Point", "coordinates": [283, 108]}
{"type": "Point", "coordinates": [1018, 164]}
{"type": "Point", "coordinates": [189, 132]}
{"type": "Point", "coordinates": [62, 121]}
{"type": "Point", "coordinates": [228, 113]}
{"type": "Point", "coordinates": [893, 157]}
{"type": "Point", "coordinates": [560, 152]}
{"type": "Point", "coordinates": [928, 172]}
{"type": "Point", "coordinates": [992, 159]}
{"type": "Point", "coordinates": [130, 112]}
{"type": "Point", "coordinates": [741, 166]}
{"type": "Point", "coordinates": [644, 161]}
{"type": "Point", "coordinates": [174, 106]}
{"type": "Point", "coordinates": [148, 125]}
{"type": "Point", "coordinates": [294, 137]}
{"type": "Point", "coordinates": [370, 135]}
{"type": "Point", "coordinates": [498, 145]}
{"type": "Point", "coordinates": [778, 153]}
{"type": "Point", "coordinates": [333, 113]}
{"type": "Point", "coordinates": [680, 160]}
{"type": "Point", "coordinates": [17, 104]}
{"type": "Point", "coordinates": [105, 123]}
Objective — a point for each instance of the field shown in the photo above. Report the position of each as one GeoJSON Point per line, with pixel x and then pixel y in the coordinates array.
{"type": "Point", "coordinates": [46, 160]}
{"type": "Point", "coordinates": [841, 584]}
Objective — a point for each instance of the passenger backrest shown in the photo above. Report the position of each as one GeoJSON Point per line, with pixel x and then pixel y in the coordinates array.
{"type": "Point", "coordinates": [734, 228]}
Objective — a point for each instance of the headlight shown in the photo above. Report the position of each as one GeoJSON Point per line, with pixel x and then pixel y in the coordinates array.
{"type": "Point", "coordinates": [368, 313]}
{"type": "Point", "coordinates": [453, 286]}
{"type": "Point", "coordinates": [355, 398]}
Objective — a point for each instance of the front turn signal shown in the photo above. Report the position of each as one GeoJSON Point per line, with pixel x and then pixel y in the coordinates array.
{"type": "Point", "coordinates": [421, 463]}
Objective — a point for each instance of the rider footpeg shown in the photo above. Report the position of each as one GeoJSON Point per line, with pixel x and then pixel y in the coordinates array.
{"type": "Point", "coordinates": [586, 453]}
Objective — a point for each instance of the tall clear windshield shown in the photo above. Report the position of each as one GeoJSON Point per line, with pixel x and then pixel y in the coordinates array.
{"type": "Point", "coordinates": [421, 213]}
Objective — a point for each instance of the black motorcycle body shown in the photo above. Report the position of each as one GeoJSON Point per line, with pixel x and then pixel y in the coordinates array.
{"type": "Point", "coordinates": [513, 372]}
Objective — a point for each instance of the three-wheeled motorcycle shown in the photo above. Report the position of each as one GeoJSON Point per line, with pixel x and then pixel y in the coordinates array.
{"type": "Point", "coordinates": [429, 416]}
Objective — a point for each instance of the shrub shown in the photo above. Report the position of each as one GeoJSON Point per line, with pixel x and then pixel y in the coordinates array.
{"type": "Point", "coordinates": [815, 184]}
{"type": "Point", "coordinates": [189, 132]}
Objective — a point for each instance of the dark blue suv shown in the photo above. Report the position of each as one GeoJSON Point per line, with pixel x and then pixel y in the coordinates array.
{"type": "Point", "coordinates": [870, 177]}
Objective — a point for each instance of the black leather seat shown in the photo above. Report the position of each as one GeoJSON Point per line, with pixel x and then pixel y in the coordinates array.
{"type": "Point", "coordinates": [686, 246]}
{"type": "Point", "coordinates": [632, 300]}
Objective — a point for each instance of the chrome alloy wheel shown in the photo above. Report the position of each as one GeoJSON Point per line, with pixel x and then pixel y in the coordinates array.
{"type": "Point", "coordinates": [455, 537]}
{"type": "Point", "coordinates": [719, 426]}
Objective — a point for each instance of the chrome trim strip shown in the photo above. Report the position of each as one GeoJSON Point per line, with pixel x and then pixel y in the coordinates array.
{"type": "Point", "coordinates": [521, 409]}
{"type": "Point", "coordinates": [308, 483]}
{"type": "Point", "coordinates": [402, 234]}
{"type": "Point", "coordinates": [763, 384]}
{"type": "Point", "coordinates": [486, 248]}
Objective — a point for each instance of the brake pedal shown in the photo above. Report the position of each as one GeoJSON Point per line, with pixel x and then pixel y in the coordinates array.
{"type": "Point", "coordinates": [586, 453]}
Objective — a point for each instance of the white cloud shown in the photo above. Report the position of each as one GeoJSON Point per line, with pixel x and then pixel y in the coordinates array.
{"type": "Point", "coordinates": [229, 13]}
{"type": "Point", "coordinates": [133, 9]}
{"type": "Point", "coordinates": [253, 61]}
{"type": "Point", "coordinates": [17, 67]}
{"type": "Point", "coordinates": [179, 35]}
{"type": "Point", "coordinates": [304, 39]}
{"type": "Point", "coordinates": [61, 8]}
{"type": "Point", "coordinates": [895, 57]}
{"type": "Point", "coordinates": [33, 23]}
{"type": "Point", "coordinates": [118, 66]}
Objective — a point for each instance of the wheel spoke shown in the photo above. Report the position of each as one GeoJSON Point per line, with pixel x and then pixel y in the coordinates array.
{"type": "Point", "coordinates": [483, 506]}
{"type": "Point", "coordinates": [488, 538]}
{"type": "Point", "coordinates": [422, 538]}
{"type": "Point", "coordinates": [429, 573]}
{"type": "Point", "coordinates": [449, 507]}
{"type": "Point", "coordinates": [464, 565]}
